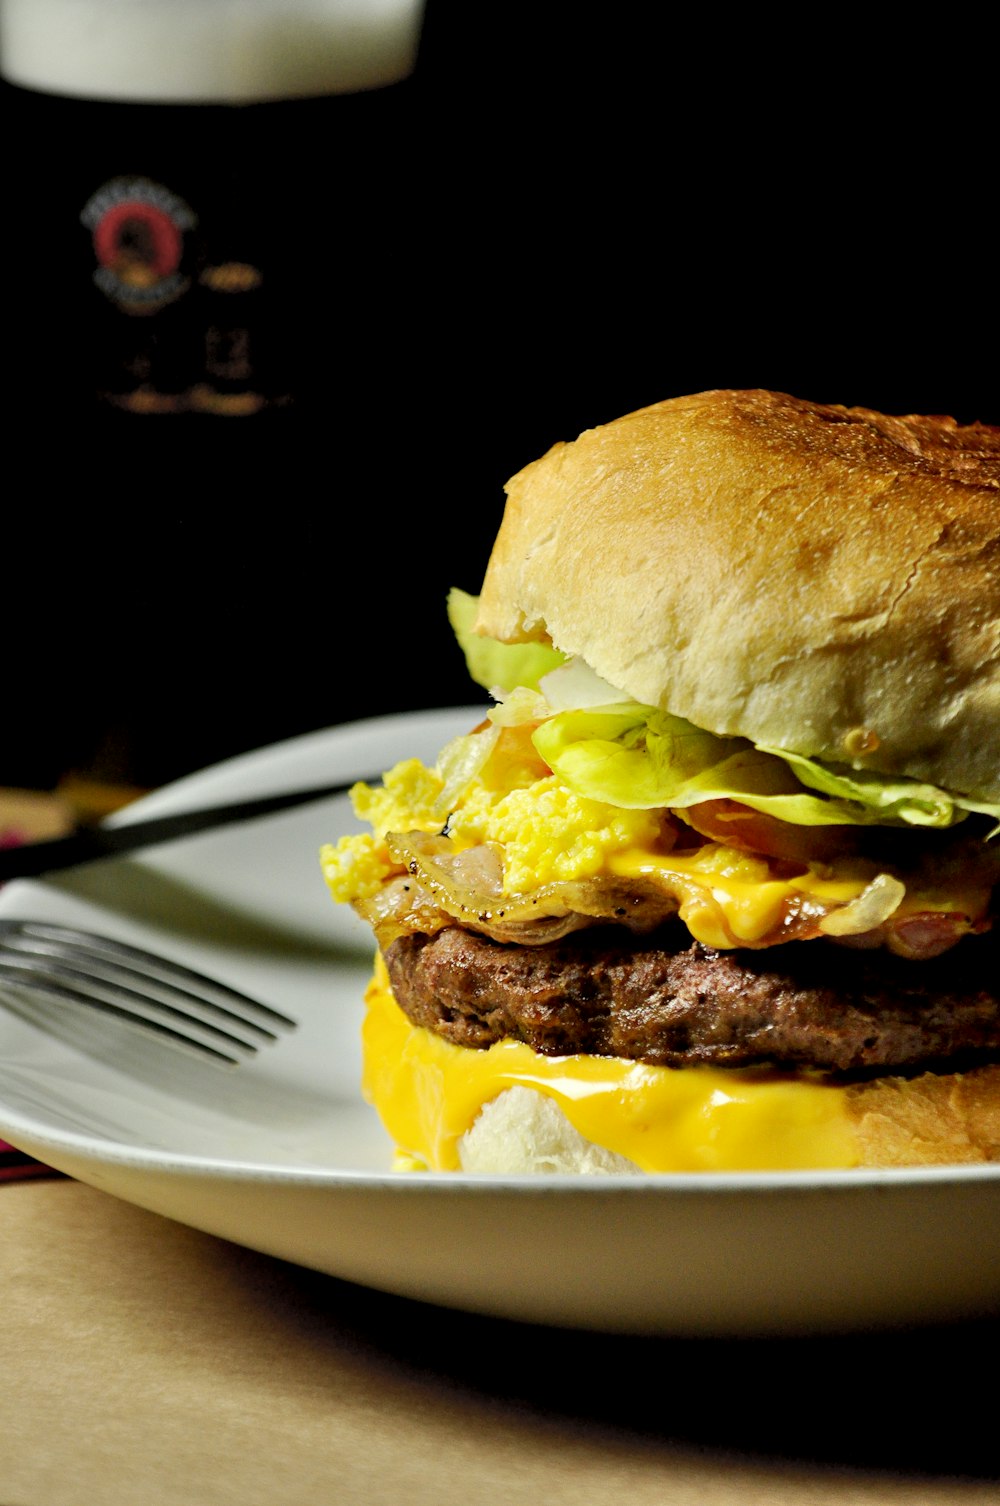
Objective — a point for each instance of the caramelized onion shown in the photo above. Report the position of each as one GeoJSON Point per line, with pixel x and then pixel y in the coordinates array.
{"type": "Point", "coordinates": [442, 885]}
{"type": "Point", "coordinates": [871, 909]}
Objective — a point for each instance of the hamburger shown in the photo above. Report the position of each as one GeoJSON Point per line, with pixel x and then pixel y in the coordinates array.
{"type": "Point", "coordinates": [712, 884]}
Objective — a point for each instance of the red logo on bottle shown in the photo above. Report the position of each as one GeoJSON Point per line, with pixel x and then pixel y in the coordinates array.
{"type": "Point", "coordinates": [138, 231]}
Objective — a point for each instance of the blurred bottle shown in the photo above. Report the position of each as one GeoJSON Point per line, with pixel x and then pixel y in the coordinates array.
{"type": "Point", "coordinates": [205, 193]}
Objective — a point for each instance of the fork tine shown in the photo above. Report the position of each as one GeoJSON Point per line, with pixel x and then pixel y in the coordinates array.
{"type": "Point", "coordinates": [75, 985]}
{"type": "Point", "coordinates": [64, 941]}
{"type": "Point", "coordinates": [163, 996]}
{"type": "Point", "coordinates": [49, 989]}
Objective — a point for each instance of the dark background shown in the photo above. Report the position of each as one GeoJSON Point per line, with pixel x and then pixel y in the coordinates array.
{"type": "Point", "coordinates": [563, 215]}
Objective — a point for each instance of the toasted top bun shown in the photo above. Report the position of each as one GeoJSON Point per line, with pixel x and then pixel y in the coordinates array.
{"type": "Point", "coordinates": [820, 579]}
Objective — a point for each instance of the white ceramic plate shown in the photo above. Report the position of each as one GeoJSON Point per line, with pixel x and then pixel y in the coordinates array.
{"type": "Point", "coordinates": [281, 1155]}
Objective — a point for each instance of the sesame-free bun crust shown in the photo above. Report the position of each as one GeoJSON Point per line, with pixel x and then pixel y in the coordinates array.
{"type": "Point", "coordinates": [816, 578]}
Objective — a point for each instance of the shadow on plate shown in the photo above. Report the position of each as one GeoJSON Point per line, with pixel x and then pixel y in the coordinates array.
{"type": "Point", "coordinates": [148, 896]}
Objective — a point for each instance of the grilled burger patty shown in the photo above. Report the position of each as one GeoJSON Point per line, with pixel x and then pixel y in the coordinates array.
{"type": "Point", "coordinates": [661, 1000]}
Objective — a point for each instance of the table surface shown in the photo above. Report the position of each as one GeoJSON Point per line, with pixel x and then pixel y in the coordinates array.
{"type": "Point", "coordinates": [145, 1361]}
{"type": "Point", "coordinates": [148, 1362]}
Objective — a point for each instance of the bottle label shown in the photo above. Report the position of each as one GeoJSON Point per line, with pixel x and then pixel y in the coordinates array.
{"type": "Point", "coordinates": [182, 328]}
{"type": "Point", "coordinates": [203, 259]}
{"type": "Point", "coordinates": [138, 230]}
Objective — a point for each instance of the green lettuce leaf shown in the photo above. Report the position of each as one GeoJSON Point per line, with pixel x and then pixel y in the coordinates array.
{"type": "Point", "coordinates": [493, 665]}
{"type": "Point", "coordinates": [639, 758]}
{"type": "Point", "coordinates": [898, 799]}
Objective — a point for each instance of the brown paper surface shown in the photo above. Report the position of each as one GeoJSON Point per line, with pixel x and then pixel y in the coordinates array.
{"type": "Point", "coordinates": [145, 1362]}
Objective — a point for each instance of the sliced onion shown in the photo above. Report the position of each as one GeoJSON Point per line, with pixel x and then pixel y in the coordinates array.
{"type": "Point", "coordinates": [460, 761]}
{"type": "Point", "coordinates": [873, 906]}
{"type": "Point", "coordinates": [442, 886]}
{"type": "Point", "coordinates": [401, 907]}
{"type": "Point", "coordinates": [573, 686]}
{"type": "Point", "coordinates": [467, 886]}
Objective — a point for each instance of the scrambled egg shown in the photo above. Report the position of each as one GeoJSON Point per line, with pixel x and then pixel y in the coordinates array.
{"type": "Point", "coordinates": [548, 834]}
{"type": "Point", "coordinates": [544, 831]}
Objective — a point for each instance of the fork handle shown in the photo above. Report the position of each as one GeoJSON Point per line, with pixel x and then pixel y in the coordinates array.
{"type": "Point", "coordinates": [91, 842]}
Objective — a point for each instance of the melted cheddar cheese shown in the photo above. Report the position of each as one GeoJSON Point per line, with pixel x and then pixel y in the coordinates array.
{"type": "Point", "coordinates": [728, 898]}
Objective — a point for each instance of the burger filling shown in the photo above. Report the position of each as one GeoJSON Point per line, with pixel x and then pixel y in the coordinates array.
{"type": "Point", "coordinates": [497, 841]}
{"type": "Point", "coordinates": [588, 877]}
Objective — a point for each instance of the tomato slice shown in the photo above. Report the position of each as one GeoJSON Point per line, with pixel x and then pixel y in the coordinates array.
{"type": "Point", "coordinates": [739, 826]}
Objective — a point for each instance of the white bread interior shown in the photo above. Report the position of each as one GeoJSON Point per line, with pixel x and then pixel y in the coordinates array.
{"type": "Point", "coordinates": [521, 1132]}
{"type": "Point", "coordinates": [816, 578]}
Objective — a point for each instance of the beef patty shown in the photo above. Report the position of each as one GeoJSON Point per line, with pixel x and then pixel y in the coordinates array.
{"type": "Point", "coordinates": [660, 999]}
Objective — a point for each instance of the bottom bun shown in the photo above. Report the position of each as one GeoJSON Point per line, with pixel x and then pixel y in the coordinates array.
{"type": "Point", "coordinates": [508, 1111]}
{"type": "Point", "coordinates": [936, 1119]}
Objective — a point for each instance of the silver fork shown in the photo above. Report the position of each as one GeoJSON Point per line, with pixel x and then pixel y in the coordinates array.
{"type": "Point", "coordinates": [177, 1004]}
